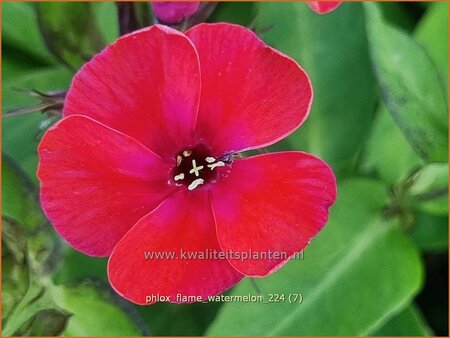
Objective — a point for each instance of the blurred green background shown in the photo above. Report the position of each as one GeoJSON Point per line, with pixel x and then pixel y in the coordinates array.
{"type": "Point", "coordinates": [379, 118]}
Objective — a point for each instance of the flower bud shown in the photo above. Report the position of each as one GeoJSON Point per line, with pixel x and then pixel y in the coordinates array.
{"type": "Point", "coordinates": [172, 12]}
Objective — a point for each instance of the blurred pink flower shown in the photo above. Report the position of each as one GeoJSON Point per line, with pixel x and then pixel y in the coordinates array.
{"type": "Point", "coordinates": [323, 7]}
{"type": "Point", "coordinates": [173, 12]}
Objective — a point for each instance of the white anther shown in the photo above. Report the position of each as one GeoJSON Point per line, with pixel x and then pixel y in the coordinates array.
{"type": "Point", "coordinates": [179, 177]}
{"type": "Point", "coordinates": [179, 159]}
{"type": "Point", "coordinates": [210, 159]}
{"type": "Point", "coordinates": [215, 165]}
{"type": "Point", "coordinates": [187, 153]}
{"type": "Point", "coordinates": [195, 170]}
{"type": "Point", "coordinates": [196, 183]}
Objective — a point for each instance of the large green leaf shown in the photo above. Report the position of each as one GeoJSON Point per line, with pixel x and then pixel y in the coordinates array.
{"type": "Point", "coordinates": [410, 86]}
{"type": "Point", "coordinates": [355, 275]}
{"type": "Point", "coordinates": [105, 14]}
{"type": "Point", "coordinates": [387, 151]}
{"type": "Point", "coordinates": [333, 51]}
{"type": "Point", "coordinates": [409, 322]}
{"type": "Point", "coordinates": [20, 135]}
{"type": "Point", "coordinates": [19, 199]}
{"type": "Point", "coordinates": [20, 32]}
{"type": "Point", "coordinates": [15, 66]}
{"type": "Point", "coordinates": [94, 311]}
{"type": "Point", "coordinates": [70, 31]}
{"type": "Point", "coordinates": [432, 34]}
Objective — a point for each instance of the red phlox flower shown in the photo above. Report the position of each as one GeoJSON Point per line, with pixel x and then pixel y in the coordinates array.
{"type": "Point", "coordinates": [323, 7]}
{"type": "Point", "coordinates": [144, 160]}
{"type": "Point", "coordinates": [173, 12]}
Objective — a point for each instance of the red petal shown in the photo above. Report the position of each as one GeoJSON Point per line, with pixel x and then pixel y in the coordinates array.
{"type": "Point", "coordinates": [96, 183]}
{"type": "Point", "coordinates": [145, 85]}
{"type": "Point", "coordinates": [275, 202]}
{"type": "Point", "coordinates": [182, 222]}
{"type": "Point", "coordinates": [323, 7]}
{"type": "Point", "coordinates": [252, 95]}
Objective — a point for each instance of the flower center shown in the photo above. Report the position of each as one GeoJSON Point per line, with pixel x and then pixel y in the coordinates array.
{"type": "Point", "coordinates": [195, 167]}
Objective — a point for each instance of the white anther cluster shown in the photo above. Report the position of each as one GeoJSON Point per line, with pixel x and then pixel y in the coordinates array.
{"type": "Point", "coordinates": [196, 169]}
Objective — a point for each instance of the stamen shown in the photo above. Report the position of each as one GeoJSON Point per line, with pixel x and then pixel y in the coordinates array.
{"type": "Point", "coordinates": [196, 183]}
{"type": "Point", "coordinates": [191, 167]}
{"type": "Point", "coordinates": [215, 165]}
{"type": "Point", "coordinates": [179, 177]}
{"type": "Point", "coordinates": [195, 170]}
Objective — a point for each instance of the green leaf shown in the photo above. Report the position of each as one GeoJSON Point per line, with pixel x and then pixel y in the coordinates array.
{"type": "Point", "coordinates": [94, 311]}
{"type": "Point", "coordinates": [432, 34]}
{"type": "Point", "coordinates": [430, 188]}
{"type": "Point", "coordinates": [430, 232]}
{"type": "Point", "coordinates": [15, 66]}
{"type": "Point", "coordinates": [387, 151]}
{"type": "Point", "coordinates": [337, 61]}
{"type": "Point", "coordinates": [70, 31]}
{"type": "Point", "coordinates": [25, 37]}
{"type": "Point", "coordinates": [358, 256]}
{"type": "Point", "coordinates": [105, 14]}
{"type": "Point", "coordinates": [410, 86]}
{"type": "Point", "coordinates": [409, 322]}
{"type": "Point", "coordinates": [19, 199]}
{"type": "Point", "coordinates": [21, 134]}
